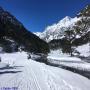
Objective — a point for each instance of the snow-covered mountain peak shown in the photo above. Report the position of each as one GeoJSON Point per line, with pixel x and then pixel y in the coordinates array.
{"type": "Point", "coordinates": [65, 20]}
{"type": "Point", "coordinates": [56, 31]}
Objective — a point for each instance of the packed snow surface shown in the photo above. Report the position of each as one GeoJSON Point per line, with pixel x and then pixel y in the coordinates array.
{"type": "Point", "coordinates": [27, 74]}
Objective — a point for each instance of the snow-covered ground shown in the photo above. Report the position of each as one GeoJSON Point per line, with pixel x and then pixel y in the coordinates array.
{"type": "Point", "coordinates": [4, 65]}
{"type": "Point", "coordinates": [58, 55]}
{"type": "Point", "coordinates": [84, 50]}
{"type": "Point", "coordinates": [79, 66]}
{"type": "Point", "coordinates": [58, 58]}
{"type": "Point", "coordinates": [25, 74]}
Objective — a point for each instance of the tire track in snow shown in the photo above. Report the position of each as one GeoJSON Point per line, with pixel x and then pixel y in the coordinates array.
{"type": "Point", "coordinates": [33, 78]}
{"type": "Point", "coordinates": [57, 83]}
{"type": "Point", "coordinates": [40, 76]}
{"type": "Point", "coordinates": [65, 83]}
{"type": "Point", "coordinates": [25, 80]}
{"type": "Point", "coordinates": [51, 83]}
{"type": "Point", "coordinates": [36, 76]}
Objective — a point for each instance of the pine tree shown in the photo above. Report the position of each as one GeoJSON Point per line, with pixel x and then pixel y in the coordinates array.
{"type": "Point", "coordinates": [69, 37]}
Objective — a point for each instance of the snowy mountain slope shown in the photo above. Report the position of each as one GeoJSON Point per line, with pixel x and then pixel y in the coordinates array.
{"type": "Point", "coordinates": [37, 33]}
{"type": "Point", "coordinates": [30, 75]}
{"type": "Point", "coordinates": [56, 31]}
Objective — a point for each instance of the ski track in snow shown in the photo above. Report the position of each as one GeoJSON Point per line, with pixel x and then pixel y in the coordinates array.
{"type": "Point", "coordinates": [31, 75]}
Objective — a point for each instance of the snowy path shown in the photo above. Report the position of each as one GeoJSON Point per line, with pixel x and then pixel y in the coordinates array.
{"type": "Point", "coordinates": [31, 75]}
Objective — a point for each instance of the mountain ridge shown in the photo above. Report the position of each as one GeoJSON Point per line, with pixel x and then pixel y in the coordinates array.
{"type": "Point", "coordinates": [56, 30]}
{"type": "Point", "coordinates": [12, 29]}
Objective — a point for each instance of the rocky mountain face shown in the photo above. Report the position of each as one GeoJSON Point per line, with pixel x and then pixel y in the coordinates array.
{"type": "Point", "coordinates": [84, 12]}
{"type": "Point", "coordinates": [14, 36]}
{"type": "Point", "coordinates": [69, 32]}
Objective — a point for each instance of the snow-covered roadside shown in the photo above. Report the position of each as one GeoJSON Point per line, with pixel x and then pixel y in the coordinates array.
{"type": "Point", "coordinates": [84, 50]}
{"type": "Point", "coordinates": [79, 65]}
{"type": "Point", "coordinates": [4, 65]}
{"type": "Point", "coordinates": [58, 58]}
{"type": "Point", "coordinates": [31, 75]}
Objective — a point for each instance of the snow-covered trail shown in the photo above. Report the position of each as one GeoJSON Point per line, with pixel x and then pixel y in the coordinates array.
{"type": "Point", "coordinates": [31, 75]}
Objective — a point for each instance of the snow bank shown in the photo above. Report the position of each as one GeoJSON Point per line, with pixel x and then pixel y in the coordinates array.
{"type": "Point", "coordinates": [4, 65]}
{"type": "Point", "coordinates": [58, 55]}
{"type": "Point", "coordinates": [10, 58]}
{"type": "Point", "coordinates": [84, 50]}
{"type": "Point", "coordinates": [58, 58]}
{"type": "Point", "coordinates": [79, 66]}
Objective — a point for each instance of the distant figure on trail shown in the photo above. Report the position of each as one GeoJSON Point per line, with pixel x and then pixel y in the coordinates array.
{"type": "Point", "coordinates": [0, 59]}
{"type": "Point", "coordinates": [29, 56]}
